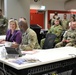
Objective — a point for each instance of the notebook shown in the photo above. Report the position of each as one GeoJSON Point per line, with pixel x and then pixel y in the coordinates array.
{"type": "Point", "coordinates": [13, 52]}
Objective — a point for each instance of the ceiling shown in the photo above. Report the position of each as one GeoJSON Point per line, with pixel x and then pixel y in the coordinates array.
{"type": "Point", "coordinates": [55, 4]}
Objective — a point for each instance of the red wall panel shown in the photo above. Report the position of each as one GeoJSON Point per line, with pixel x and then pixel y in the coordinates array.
{"type": "Point", "coordinates": [37, 18]}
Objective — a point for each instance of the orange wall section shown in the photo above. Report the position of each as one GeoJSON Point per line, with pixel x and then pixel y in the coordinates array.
{"type": "Point", "coordinates": [37, 18]}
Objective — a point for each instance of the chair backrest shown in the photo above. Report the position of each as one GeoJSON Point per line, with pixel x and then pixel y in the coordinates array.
{"type": "Point", "coordinates": [49, 41]}
{"type": "Point", "coordinates": [37, 29]}
{"type": "Point", "coordinates": [62, 34]}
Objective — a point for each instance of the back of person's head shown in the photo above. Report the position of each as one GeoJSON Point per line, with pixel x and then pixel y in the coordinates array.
{"type": "Point", "coordinates": [72, 18]}
{"type": "Point", "coordinates": [49, 22]}
{"type": "Point", "coordinates": [23, 23]}
{"type": "Point", "coordinates": [22, 18]}
{"type": "Point", "coordinates": [16, 23]}
{"type": "Point", "coordinates": [53, 16]}
{"type": "Point", "coordinates": [58, 18]}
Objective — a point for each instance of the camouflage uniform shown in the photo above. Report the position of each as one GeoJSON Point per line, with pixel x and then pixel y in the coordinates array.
{"type": "Point", "coordinates": [55, 29]}
{"type": "Point", "coordinates": [29, 40]}
{"type": "Point", "coordinates": [65, 24]}
{"type": "Point", "coordinates": [70, 34]}
{"type": "Point", "coordinates": [3, 25]}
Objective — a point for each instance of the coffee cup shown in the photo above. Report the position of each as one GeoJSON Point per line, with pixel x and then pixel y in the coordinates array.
{"type": "Point", "coordinates": [8, 44]}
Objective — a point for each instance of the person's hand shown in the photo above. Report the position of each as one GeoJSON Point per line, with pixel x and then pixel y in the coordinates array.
{"type": "Point", "coordinates": [15, 45]}
{"type": "Point", "coordinates": [63, 40]}
{"type": "Point", "coordinates": [2, 41]}
{"type": "Point", "coordinates": [67, 41]}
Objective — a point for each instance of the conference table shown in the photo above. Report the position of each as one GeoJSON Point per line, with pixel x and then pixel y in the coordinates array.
{"type": "Point", "coordinates": [42, 61]}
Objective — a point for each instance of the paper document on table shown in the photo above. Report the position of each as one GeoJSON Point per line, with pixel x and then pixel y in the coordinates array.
{"type": "Point", "coordinates": [29, 52]}
{"type": "Point", "coordinates": [20, 61]}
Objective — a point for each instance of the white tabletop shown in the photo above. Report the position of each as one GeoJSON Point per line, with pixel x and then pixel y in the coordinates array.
{"type": "Point", "coordinates": [44, 56]}
{"type": "Point", "coordinates": [2, 36]}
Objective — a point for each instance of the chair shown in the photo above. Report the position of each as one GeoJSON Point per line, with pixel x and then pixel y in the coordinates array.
{"type": "Point", "coordinates": [62, 34]}
{"type": "Point", "coordinates": [37, 29]}
{"type": "Point", "coordinates": [49, 41]}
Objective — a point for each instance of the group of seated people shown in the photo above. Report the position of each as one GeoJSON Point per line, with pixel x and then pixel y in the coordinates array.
{"type": "Point", "coordinates": [69, 36]}
{"type": "Point", "coordinates": [65, 32]}
{"type": "Point", "coordinates": [22, 36]}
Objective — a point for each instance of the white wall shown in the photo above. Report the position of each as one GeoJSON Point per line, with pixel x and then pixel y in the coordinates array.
{"type": "Point", "coordinates": [26, 9]}
{"type": "Point", "coordinates": [50, 4]}
{"type": "Point", "coordinates": [17, 8]}
{"type": "Point", "coordinates": [70, 5]}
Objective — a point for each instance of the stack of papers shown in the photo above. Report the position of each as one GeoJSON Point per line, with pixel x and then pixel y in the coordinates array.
{"type": "Point", "coordinates": [48, 55]}
{"type": "Point", "coordinates": [18, 61]}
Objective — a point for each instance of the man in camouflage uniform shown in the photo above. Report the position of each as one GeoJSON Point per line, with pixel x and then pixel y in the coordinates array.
{"type": "Point", "coordinates": [3, 24]}
{"type": "Point", "coordinates": [55, 29]}
{"type": "Point", "coordinates": [69, 38]}
{"type": "Point", "coordinates": [65, 22]}
{"type": "Point", "coordinates": [29, 37]}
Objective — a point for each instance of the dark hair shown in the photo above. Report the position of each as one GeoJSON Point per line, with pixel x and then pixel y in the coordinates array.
{"type": "Point", "coordinates": [73, 18]}
{"type": "Point", "coordinates": [58, 18]}
{"type": "Point", "coordinates": [49, 21]}
{"type": "Point", "coordinates": [65, 14]}
{"type": "Point", "coordinates": [73, 15]}
{"type": "Point", "coordinates": [13, 19]}
{"type": "Point", "coordinates": [56, 13]}
{"type": "Point", "coordinates": [23, 18]}
{"type": "Point", "coordinates": [1, 10]}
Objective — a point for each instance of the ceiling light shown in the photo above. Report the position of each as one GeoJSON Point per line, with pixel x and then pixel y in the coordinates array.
{"type": "Point", "coordinates": [42, 8]}
{"type": "Point", "coordinates": [73, 10]}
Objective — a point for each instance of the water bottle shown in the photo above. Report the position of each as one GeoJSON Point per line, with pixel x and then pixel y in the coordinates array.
{"type": "Point", "coordinates": [3, 53]}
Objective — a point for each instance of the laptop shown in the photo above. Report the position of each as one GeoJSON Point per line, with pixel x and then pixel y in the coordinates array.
{"type": "Point", "coordinates": [13, 52]}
